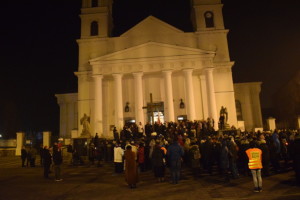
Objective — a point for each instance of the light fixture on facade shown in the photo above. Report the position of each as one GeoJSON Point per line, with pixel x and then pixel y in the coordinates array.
{"type": "Point", "coordinates": [181, 105]}
{"type": "Point", "coordinates": [127, 107]}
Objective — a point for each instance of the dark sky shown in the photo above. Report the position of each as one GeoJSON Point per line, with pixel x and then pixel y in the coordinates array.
{"type": "Point", "coordinates": [39, 52]}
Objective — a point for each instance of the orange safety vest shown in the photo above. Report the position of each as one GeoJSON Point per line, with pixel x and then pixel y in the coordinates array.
{"type": "Point", "coordinates": [255, 156]}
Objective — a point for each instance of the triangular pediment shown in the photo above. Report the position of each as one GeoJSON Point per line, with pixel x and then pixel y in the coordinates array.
{"type": "Point", "coordinates": [152, 50]}
{"type": "Point", "coordinates": [151, 25]}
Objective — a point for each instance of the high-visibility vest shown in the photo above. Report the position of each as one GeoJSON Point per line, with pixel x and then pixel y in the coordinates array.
{"type": "Point", "coordinates": [255, 156]}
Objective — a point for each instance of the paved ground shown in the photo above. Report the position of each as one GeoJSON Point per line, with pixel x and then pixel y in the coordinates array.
{"type": "Point", "coordinates": [101, 183]}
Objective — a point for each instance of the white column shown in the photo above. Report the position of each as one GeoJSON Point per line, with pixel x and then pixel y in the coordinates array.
{"type": "Point", "coordinates": [63, 119]}
{"type": "Point", "coordinates": [298, 122]}
{"type": "Point", "coordinates": [212, 111]}
{"type": "Point", "coordinates": [204, 96]}
{"type": "Point", "coordinates": [138, 97]}
{"type": "Point", "coordinates": [190, 101]}
{"type": "Point", "coordinates": [98, 118]}
{"type": "Point", "coordinates": [47, 138]}
{"type": "Point", "coordinates": [20, 142]}
{"type": "Point", "coordinates": [169, 96]}
{"type": "Point", "coordinates": [119, 119]}
{"type": "Point", "coordinates": [271, 123]}
{"type": "Point", "coordinates": [70, 111]}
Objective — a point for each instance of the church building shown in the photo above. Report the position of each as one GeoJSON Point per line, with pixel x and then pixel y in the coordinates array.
{"type": "Point", "coordinates": [155, 71]}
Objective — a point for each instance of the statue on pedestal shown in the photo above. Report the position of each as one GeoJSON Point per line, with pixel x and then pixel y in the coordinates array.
{"type": "Point", "coordinates": [223, 118]}
{"type": "Point", "coordinates": [85, 122]}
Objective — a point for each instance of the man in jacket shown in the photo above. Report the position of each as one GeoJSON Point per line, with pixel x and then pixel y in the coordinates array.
{"type": "Point", "coordinates": [175, 153]}
{"type": "Point", "coordinates": [57, 159]}
{"type": "Point", "coordinates": [46, 161]}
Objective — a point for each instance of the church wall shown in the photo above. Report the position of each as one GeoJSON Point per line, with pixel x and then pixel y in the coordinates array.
{"type": "Point", "coordinates": [225, 93]}
{"type": "Point", "coordinates": [88, 50]}
{"type": "Point", "coordinates": [248, 95]}
{"type": "Point", "coordinates": [68, 113]}
{"type": "Point", "coordinates": [227, 100]}
{"type": "Point", "coordinates": [215, 42]}
{"type": "Point", "coordinates": [152, 85]}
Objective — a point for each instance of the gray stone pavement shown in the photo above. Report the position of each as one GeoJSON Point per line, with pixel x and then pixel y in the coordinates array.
{"type": "Point", "coordinates": [85, 182]}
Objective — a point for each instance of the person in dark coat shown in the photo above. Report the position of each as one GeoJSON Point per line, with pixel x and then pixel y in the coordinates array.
{"type": "Point", "coordinates": [41, 152]}
{"type": "Point", "coordinates": [175, 154]}
{"type": "Point", "coordinates": [224, 160]}
{"type": "Point", "coordinates": [295, 152]}
{"type": "Point", "coordinates": [158, 162]}
{"type": "Point", "coordinates": [57, 159]}
{"type": "Point", "coordinates": [47, 161]}
{"type": "Point", "coordinates": [208, 155]}
{"type": "Point", "coordinates": [29, 157]}
{"type": "Point", "coordinates": [233, 156]}
{"type": "Point", "coordinates": [265, 157]}
{"type": "Point", "coordinates": [23, 156]}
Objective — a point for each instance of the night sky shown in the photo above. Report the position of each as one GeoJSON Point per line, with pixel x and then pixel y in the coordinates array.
{"type": "Point", "coordinates": [39, 53]}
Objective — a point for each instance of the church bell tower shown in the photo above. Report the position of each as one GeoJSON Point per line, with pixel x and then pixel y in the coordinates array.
{"type": "Point", "coordinates": [207, 15]}
{"type": "Point", "coordinates": [96, 20]}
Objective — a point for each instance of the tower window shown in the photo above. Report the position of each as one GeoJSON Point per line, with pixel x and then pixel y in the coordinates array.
{"type": "Point", "coordinates": [94, 3]}
{"type": "Point", "coordinates": [94, 28]}
{"type": "Point", "coordinates": [209, 19]}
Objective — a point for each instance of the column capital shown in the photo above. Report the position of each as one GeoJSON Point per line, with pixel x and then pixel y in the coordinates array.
{"type": "Point", "coordinates": [209, 69]}
{"type": "Point", "coordinates": [136, 74]}
{"type": "Point", "coordinates": [167, 72]}
{"type": "Point", "coordinates": [97, 76]}
{"type": "Point", "coordinates": [117, 75]}
{"type": "Point", "coordinates": [188, 69]}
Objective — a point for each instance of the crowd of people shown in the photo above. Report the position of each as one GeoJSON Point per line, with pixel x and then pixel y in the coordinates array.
{"type": "Point", "coordinates": [195, 145]}
{"type": "Point", "coordinates": [205, 151]}
{"type": "Point", "coordinates": [48, 156]}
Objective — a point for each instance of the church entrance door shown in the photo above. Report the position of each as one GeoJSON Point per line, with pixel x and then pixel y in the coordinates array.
{"type": "Point", "coordinates": [155, 112]}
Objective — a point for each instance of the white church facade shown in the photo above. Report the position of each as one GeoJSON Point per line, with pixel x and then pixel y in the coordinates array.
{"type": "Point", "coordinates": [187, 74]}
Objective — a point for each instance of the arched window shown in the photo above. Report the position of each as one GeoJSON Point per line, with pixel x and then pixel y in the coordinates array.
{"type": "Point", "coordinates": [94, 28]}
{"type": "Point", "coordinates": [238, 107]}
{"type": "Point", "coordinates": [209, 19]}
{"type": "Point", "coordinates": [94, 3]}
